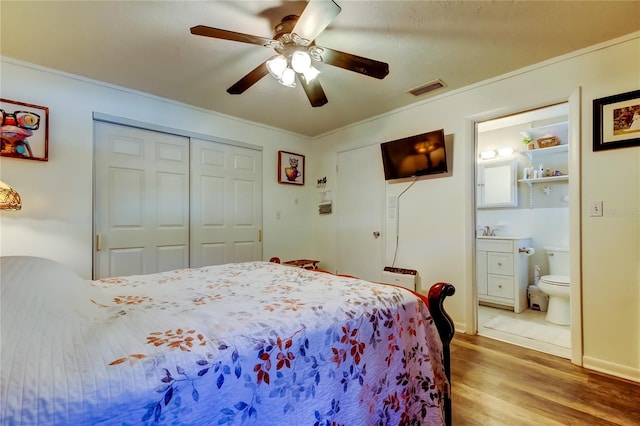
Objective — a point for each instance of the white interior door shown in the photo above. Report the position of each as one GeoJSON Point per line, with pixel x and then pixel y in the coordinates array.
{"type": "Point", "coordinates": [226, 203]}
{"type": "Point", "coordinates": [360, 213]}
{"type": "Point", "coordinates": [141, 201]}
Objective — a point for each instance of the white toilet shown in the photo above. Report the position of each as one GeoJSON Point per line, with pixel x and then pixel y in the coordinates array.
{"type": "Point", "coordinates": [556, 286]}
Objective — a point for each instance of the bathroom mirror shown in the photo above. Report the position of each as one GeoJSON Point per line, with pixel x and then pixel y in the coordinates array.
{"type": "Point", "coordinates": [497, 186]}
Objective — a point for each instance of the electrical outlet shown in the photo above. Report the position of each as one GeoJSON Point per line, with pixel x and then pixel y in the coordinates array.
{"type": "Point", "coordinates": [596, 209]}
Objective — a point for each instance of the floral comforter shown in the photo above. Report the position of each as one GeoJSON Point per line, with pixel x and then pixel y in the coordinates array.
{"type": "Point", "coordinates": [239, 344]}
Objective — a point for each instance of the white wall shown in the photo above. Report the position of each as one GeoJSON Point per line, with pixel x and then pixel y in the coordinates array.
{"type": "Point", "coordinates": [56, 217]}
{"type": "Point", "coordinates": [444, 250]}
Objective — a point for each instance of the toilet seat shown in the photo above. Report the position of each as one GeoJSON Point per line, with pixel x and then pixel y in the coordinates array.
{"type": "Point", "coordinates": [557, 280]}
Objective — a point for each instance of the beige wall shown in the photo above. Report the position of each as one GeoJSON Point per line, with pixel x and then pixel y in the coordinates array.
{"type": "Point", "coordinates": [610, 244]}
{"type": "Point", "coordinates": [56, 220]}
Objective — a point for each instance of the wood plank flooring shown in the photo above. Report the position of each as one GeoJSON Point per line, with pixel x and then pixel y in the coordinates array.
{"type": "Point", "coordinates": [495, 383]}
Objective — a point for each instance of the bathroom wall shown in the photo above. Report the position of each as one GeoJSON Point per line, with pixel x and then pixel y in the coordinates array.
{"type": "Point", "coordinates": [542, 213]}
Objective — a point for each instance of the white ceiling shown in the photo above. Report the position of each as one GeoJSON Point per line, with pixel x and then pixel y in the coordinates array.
{"type": "Point", "coordinates": [147, 46]}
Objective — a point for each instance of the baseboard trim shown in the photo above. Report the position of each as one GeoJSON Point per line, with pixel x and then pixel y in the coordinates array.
{"type": "Point", "coordinates": [460, 327]}
{"type": "Point", "coordinates": [611, 368]}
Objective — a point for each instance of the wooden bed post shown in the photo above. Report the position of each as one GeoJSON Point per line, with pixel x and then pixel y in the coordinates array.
{"type": "Point", "coordinates": [437, 293]}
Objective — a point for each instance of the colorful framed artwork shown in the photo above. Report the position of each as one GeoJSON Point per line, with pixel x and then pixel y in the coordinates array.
{"type": "Point", "coordinates": [616, 121]}
{"type": "Point", "coordinates": [24, 130]}
{"type": "Point", "coordinates": [290, 168]}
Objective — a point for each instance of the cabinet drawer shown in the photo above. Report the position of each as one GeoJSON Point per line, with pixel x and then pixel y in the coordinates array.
{"type": "Point", "coordinates": [500, 263]}
{"type": "Point", "coordinates": [494, 245]}
{"type": "Point", "coordinates": [500, 286]}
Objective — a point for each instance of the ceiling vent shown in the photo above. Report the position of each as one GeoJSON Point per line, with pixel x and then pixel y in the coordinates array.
{"type": "Point", "coordinates": [428, 87]}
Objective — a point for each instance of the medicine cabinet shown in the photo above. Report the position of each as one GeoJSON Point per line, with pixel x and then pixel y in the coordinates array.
{"type": "Point", "coordinates": [497, 186]}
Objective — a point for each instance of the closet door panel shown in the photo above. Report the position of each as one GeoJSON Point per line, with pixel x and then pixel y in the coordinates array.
{"type": "Point", "coordinates": [226, 203]}
{"type": "Point", "coordinates": [141, 210]}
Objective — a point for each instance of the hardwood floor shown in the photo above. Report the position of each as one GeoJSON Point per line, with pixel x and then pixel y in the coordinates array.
{"type": "Point", "coordinates": [495, 383]}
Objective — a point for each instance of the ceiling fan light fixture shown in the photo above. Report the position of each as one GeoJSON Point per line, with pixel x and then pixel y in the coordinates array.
{"type": "Point", "coordinates": [300, 61]}
{"type": "Point", "coordinates": [277, 65]}
{"type": "Point", "coordinates": [288, 78]}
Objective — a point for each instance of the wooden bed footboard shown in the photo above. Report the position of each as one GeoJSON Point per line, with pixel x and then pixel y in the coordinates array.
{"type": "Point", "coordinates": [437, 293]}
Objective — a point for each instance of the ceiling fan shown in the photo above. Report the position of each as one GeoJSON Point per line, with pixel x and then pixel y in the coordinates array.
{"type": "Point", "coordinates": [294, 43]}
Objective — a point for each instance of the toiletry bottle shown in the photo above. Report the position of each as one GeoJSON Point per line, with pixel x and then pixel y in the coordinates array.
{"type": "Point", "coordinates": [540, 170]}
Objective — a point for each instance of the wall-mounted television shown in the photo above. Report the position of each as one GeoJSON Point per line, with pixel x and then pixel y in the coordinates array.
{"type": "Point", "coordinates": [417, 155]}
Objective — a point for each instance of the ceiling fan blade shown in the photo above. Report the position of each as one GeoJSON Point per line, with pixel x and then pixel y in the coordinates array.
{"type": "Point", "coordinates": [314, 91]}
{"type": "Point", "coordinates": [249, 80]}
{"type": "Point", "coordinates": [355, 63]}
{"type": "Point", "coordinates": [315, 18]}
{"type": "Point", "coordinates": [203, 30]}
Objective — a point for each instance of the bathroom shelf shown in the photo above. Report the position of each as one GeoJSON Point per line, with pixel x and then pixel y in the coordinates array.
{"type": "Point", "coordinates": [544, 179]}
{"type": "Point", "coordinates": [532, 153]}
{"type": "Point", "coordinates": [560, 130]}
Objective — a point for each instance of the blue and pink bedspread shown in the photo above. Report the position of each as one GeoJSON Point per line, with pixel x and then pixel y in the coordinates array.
{"type": "Point", "coordinates": [239, 344]}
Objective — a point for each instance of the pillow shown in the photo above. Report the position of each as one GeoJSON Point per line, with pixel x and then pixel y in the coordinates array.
{"type": "Point", "coordinates": [39, 287]}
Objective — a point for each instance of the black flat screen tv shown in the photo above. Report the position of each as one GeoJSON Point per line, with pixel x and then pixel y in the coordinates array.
{"type": "Point", "coordinates": [417, 155]}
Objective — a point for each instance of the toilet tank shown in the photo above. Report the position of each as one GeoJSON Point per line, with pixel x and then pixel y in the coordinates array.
{"type": "Point", "coordinates": [558, 258]}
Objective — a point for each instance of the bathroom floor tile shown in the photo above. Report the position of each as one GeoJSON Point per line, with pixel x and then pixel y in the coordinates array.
{"type": "Point", "coordinates": [553, 339]}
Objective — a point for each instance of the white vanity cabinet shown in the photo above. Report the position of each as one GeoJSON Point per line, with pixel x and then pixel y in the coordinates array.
{"type": "Point", "coordinates": [502, 272]}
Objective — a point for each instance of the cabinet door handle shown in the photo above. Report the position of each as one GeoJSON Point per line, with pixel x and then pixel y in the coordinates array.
{"type": "Point", "coordinates": [499, 264]}
{"type": "Point", "coordinates": [500, 286]}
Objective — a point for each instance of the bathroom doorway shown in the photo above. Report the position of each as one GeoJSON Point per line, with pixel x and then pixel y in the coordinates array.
{"type": "Point", "coordinates": [522, 212]}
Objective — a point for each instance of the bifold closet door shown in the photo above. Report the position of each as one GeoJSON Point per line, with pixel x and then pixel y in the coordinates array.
{"type": "Point", "coordinates": [226, 203]}
{"type": "Point", "coordinates": [141, 201]}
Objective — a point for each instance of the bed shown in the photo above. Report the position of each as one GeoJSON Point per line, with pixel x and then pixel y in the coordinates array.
{"type": "Point", "coordinates": [254, 343]}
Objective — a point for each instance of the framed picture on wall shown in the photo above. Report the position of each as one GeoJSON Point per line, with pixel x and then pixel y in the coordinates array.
{"type": "Point", "coordinates": [290, 168]}
{"type": "Point", "coordinates": [616, 121]}
{"type": "Point", "coordinates": [24, 131]}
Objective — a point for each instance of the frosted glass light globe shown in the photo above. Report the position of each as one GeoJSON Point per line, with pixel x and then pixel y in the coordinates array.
{"type": "Point", "coordinates": [300, 61]}
{"type": "Point", "coordinates": [276, 65]}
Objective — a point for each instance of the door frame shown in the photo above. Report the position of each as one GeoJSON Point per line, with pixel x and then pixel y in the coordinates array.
{"type": "Point", "coordinates": [574, 99]}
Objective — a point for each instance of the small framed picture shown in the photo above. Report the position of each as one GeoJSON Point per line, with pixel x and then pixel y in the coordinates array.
{"type": "Point", "coordinates": [24, 130]}
{"type": "Point", "coordinates": [290, 168]}
{"type": "Point", "coordinates": [616, 121]}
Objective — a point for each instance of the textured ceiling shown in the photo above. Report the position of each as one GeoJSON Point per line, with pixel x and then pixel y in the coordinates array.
{"type": "Point", "coordinates": [146, 46]}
